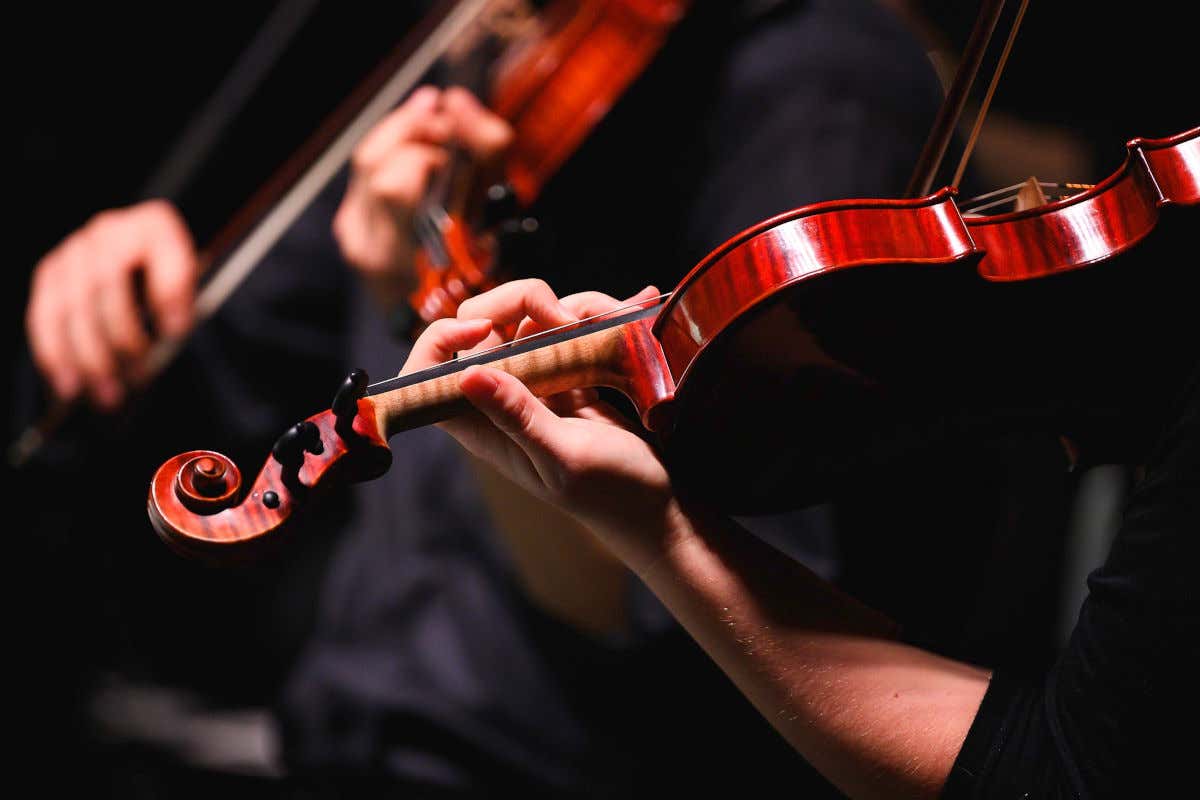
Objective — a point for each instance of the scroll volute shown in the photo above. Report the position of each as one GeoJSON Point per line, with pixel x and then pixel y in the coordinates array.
{"type": "Point", "coordinates": [199, 506]}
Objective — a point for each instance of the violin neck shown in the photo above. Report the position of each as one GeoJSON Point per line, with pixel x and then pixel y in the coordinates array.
{"type": "Point", "coordinates": [621, 354]}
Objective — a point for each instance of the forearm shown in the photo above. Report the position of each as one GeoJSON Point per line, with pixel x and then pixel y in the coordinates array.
{"type": "Point", "coordinates": [879, 718]}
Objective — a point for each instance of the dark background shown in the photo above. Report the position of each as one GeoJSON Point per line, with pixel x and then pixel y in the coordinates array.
{"type": "Point", "coordinates": [98, 93]}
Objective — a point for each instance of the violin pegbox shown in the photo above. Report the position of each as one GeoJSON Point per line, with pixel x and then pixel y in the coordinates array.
{"type": "Point", "coordinates": [357, 429]}
{"type": "Point", "coordinates": [197, 503]}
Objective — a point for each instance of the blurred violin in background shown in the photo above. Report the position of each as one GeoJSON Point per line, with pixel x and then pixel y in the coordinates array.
{"type": "Point", "coordinates": [555, 76]}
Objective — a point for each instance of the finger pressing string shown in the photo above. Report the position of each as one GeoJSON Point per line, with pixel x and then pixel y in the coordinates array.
{"type": "Point", "coordinates": [442, 339]}
{"type": "Point", "coordinates": [513, 301]}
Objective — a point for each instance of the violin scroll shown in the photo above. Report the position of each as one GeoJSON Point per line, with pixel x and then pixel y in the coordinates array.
{"type": "Point", "coordinates": [207, 482]}
{"type": "Point", "coordinates": [199, 506]}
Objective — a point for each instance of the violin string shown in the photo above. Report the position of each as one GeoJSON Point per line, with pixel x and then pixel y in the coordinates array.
{"type": "Point", "coordinates": [1009, 193]}
{"type": "Point", "coordinates": [638, 306]}
{"type": "Point", "coordinates": [428, 222]}
{"type": "Point", "coordinates": [1008, 190]}
{"type": "Point", "coordinates": [1001, 196]}
{"type": "Point", "coordinates": [974, 210]}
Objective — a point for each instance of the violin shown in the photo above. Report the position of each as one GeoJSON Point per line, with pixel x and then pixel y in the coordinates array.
{"type": "Point", "coordinates": [553, 82]}
{"type": "Point", "coordinates": [821, 343]}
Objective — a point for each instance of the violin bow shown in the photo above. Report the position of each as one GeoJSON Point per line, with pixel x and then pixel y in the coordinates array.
{"type": "Point", "coordinates": [934, 153]}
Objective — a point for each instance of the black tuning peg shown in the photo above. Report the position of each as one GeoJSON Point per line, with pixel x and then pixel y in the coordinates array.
{"type": "Point", "coordinates": [500, 204]}
{"type": "Point", "coordinates": [345, 402]}
{"type": "Point", "coordinates": [290, 448]}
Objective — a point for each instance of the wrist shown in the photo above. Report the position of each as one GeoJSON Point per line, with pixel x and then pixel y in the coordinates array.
{"type": "Point", "coordinates": [648, 542]}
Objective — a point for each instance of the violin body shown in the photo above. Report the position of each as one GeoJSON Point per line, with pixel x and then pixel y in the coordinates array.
{"type": "Point", "coordinates": [552, 86]}
{"type": "Point", "coordinates": [815, 347]}
{"type": "Point", "coordinates": [879, 328]}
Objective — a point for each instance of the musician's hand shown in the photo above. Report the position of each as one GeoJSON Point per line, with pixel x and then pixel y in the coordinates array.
{"type": "Point", "coordinates": [83, 321]}
{"type": "Point", "coordinates": [571, 449]}
{"type": "Point", "coordinates": [391, 169]}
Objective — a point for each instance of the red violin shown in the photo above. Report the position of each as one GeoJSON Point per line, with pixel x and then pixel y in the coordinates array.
{"type": "Point", "coordinates": [556, 79]}
{"type": "Point", "coordinates": [814, 346]}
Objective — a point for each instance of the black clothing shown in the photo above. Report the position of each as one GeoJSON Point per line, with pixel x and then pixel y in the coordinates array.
{"type": "Point", "coordinates": [1113, 716]}
{"type": "Point", "coordinates": [740, 117]}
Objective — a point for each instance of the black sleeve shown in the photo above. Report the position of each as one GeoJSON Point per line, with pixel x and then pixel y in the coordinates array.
{"type": "Point", "coordinates": [1114, 716]}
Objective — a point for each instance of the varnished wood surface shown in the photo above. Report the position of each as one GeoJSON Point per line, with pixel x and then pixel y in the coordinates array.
{"type": "Point", "coordinates": [620, 353]}
{"type": "Point", "coordinates": [1175, 165]}
{"type": "Point", "coordinates": [441, 289]}
{"type": "Point", "coordinates": [552, 87]}
{"type": "Point", "coordinates": [557, 86]}
{"type": "Point", "coordinates": [838, 337]}
{"type": "Point", "coordinates": [236, 532]}
{"type": "Point", "coordinates": [1098, 224]}
{"type": "Point", "coordinates": [818, 239]}
{"type": "Point", "coordinates": [832, 339]}
{"type": "Point", "coordinates": [624, 357]}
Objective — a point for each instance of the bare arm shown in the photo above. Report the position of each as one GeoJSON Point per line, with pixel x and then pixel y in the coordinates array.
{"type": "Point", "coordinates": [877, 717]}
